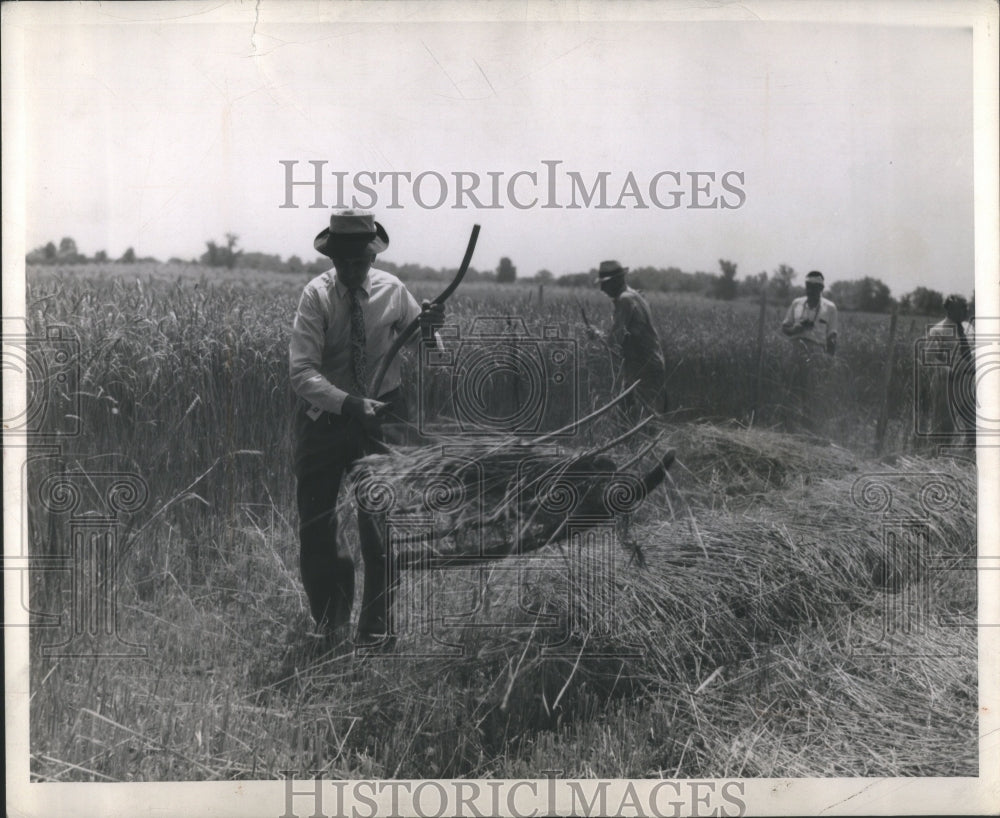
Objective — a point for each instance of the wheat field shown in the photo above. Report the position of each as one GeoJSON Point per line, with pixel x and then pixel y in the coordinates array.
{"type": "Point", "coordinates": [754, 638]}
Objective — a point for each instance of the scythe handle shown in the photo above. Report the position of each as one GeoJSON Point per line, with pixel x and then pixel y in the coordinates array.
{"type": "Point", "coordinates": [404, 336]}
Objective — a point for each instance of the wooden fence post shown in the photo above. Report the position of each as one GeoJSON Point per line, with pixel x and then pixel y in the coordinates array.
{"type": "Point", "coordinates": [758, 390]}
{"type": "Point", "coordinates": [883, 414]}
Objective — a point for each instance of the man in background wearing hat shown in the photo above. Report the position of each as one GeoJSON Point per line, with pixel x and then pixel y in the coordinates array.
{"type": "Point", "coordinates": [635, 338]}
{"type": "Point", "coordinates": [346, 321]}
{"type": "Point", "coordinates": [811, 323]}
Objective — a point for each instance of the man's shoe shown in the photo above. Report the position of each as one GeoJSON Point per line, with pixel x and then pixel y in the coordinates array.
{"type": "Point", "coordinates": [336, 641]}
{"type": "Point", "coordinates": [375, 642]}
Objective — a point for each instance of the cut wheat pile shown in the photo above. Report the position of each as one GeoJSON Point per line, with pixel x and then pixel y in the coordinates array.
{"type": "Point", "coordinates": [502, 496]}
{"type": "Point", "coordinates": [724, 596]}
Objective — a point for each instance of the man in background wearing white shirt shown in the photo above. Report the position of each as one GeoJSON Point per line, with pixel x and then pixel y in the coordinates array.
{"type": "Point", "coordinates": [811, 323]}
{"type": "Point", "coordinates": [951, 391]}
{"type": "Point", "coordinates": [811, 318]}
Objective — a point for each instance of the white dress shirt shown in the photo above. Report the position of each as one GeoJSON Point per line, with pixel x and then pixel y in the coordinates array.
{"type": "Point", "coordinates": [319, 354]}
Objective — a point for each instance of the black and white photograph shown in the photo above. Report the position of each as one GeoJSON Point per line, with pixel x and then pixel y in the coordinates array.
{"type": "Point", "coordinates": [501, 409]}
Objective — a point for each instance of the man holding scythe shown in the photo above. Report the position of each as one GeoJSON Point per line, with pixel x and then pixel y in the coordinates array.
{"type": "Point", "coordinates": [349, 324]}
{"type": "Point", "coordinates": [634, 338]}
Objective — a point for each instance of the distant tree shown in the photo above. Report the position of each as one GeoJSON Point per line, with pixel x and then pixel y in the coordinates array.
{"type": "Point", "coordinates": [544, 276]}
{"type": "Point", "coordinates": [752, 285]}
{"type": "Point", "coordinates": [866, 294]}
{"type": "Point", "coordinates": [506, 271]}
{"type": "Point", "coordinates": [671, 279]}
{"type": "Point", "coordinates": [294, 264]}
{"type": "Point", "coordinates": [67, 250]}
{"type": "Point", "coordinates": [781, 282]}
{"type": "Point", "coordinates": [128, 257]}
{"type": "Point", "coordinates": [725, 285]}
{"type": "Point", "coordinates": [100, 256]}
{"type": "Point", "coordinates": [844, 294]}
{"type": "Point", "coordinates": [42, 255]}
{"type": "Point", "coordinates": [232, 254]}
{"type": "Point", "coordinates": [217, 255]}
{"type": "Point", "coordinates": [259, 261]}
{"type": "Point", "coordinates": [923, 301]}
{"type": "Point", "coordinates": [65, 253]}
{"type": "Point", "coordinates": [873, 295]}
{"type": "Point", "coordinates": [577, 280]}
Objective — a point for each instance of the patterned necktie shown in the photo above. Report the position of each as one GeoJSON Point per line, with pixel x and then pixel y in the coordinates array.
{"type": "Point", "coordinates": [358, 360]}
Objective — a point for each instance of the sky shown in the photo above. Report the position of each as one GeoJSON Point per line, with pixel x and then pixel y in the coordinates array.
{"type": "Point", "coordinates": [844, 147]}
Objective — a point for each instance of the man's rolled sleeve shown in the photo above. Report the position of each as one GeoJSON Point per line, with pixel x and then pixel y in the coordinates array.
{"type": "Point", "coordinates": [305, 355]}
{"type": "Point", "coordinates": [409, 309]}
{"type": "Point", "coordinates": [789, 321]}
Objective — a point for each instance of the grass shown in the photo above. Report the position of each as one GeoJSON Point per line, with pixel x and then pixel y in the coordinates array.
{"type": "Point", "coordinates": [754, 627]}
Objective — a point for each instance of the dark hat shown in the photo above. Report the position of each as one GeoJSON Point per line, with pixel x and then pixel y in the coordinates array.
{"type": "Point", "coordinates": [351, 233]}
{"type": "Point", "coordinates": [815, 277]}
{"type": "Point", "coordinates": [610, 269]}
{"type": "Point", "coordinates": [956, 305]}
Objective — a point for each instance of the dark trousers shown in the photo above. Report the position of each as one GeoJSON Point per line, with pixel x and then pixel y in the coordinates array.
{"type": "Point", "coordinates": [325, 450]}
{"type": "Point", "coordinates": [649, 397]}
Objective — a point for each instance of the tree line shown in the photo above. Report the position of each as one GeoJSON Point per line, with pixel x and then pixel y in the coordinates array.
{"type": "Point", "coordinates": [67, 253]}
{"type": "Point", "coordinates": [867, 294]}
